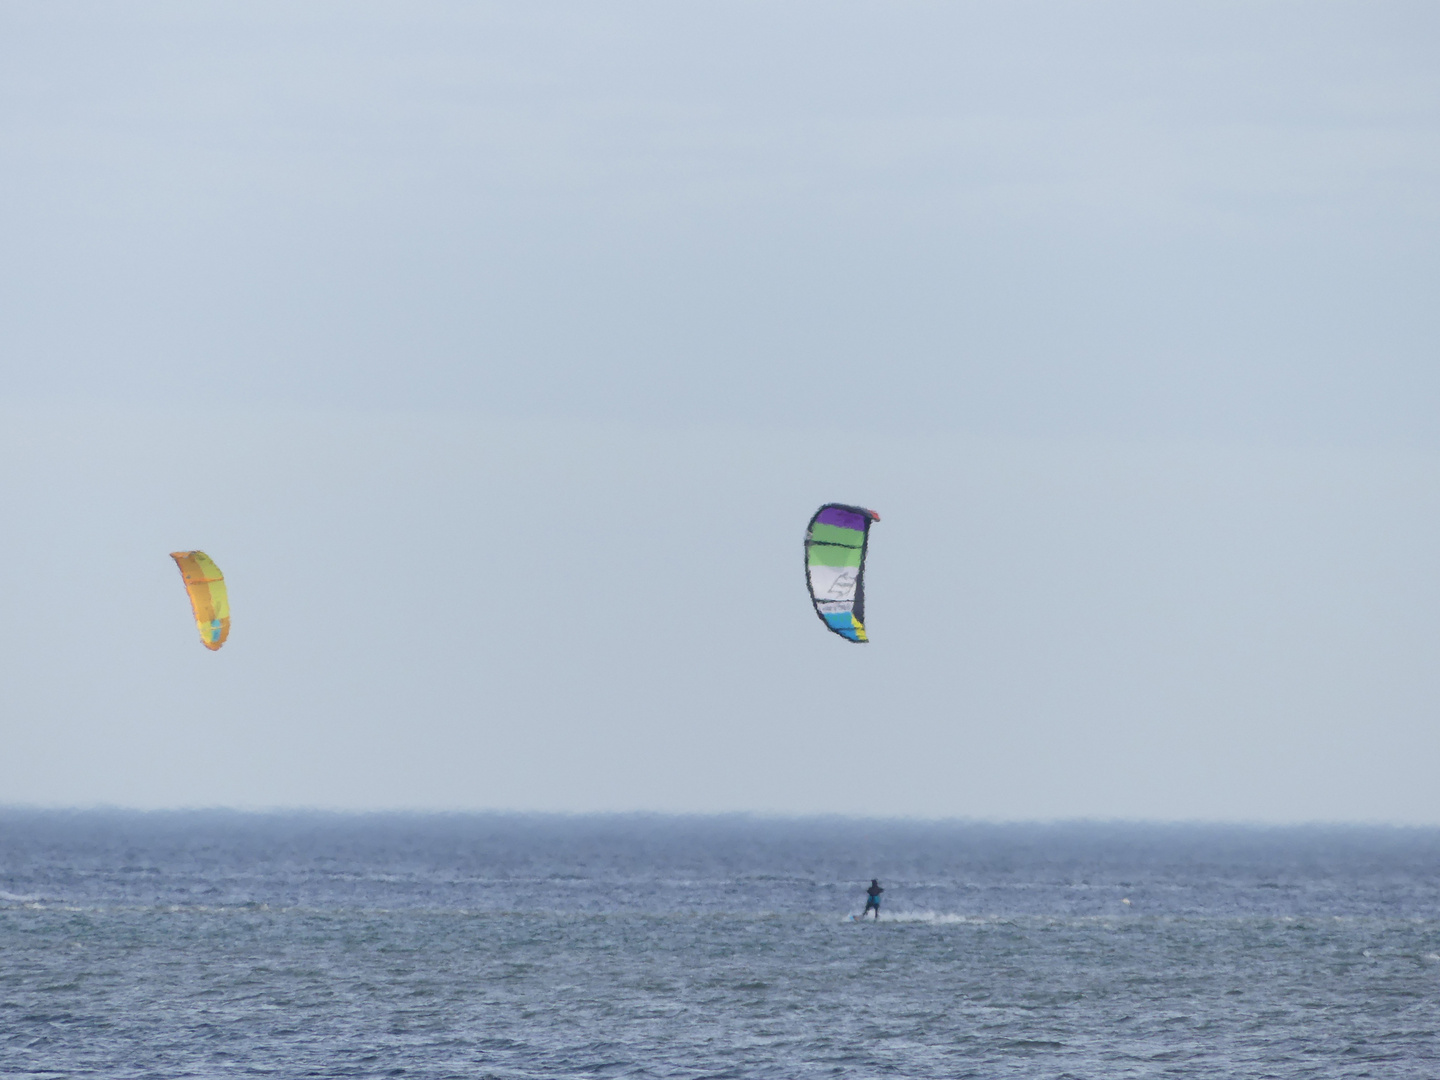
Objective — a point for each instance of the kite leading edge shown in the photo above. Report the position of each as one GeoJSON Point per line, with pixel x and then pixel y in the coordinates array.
{"type": "Point", "coordinates": [835, 545]}
{"type": "Point", "coordinates": [208, 598]}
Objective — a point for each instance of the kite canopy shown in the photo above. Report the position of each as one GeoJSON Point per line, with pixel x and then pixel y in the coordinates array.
{"type": "Point", "coordinates": [208, 599]}
{"type": "Point", "coordinates": [835, 567]}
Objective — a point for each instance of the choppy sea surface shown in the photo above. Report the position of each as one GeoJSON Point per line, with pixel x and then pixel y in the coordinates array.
{"type": "Point", "coordinates": [312, 945]}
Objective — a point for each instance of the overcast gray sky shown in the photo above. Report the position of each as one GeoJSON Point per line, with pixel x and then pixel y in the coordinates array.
{"type": "Point", "coordinates": [499, 353]}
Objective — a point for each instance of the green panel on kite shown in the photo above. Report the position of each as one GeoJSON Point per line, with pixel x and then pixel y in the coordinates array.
{"type": "Point", "coordinates": [821, 533]}
{"type": "Point", "coordinates": [831, 555]}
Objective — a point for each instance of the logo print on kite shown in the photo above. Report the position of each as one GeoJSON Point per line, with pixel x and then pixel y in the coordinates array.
{"type": "Point", "coordinates": [843, 588]}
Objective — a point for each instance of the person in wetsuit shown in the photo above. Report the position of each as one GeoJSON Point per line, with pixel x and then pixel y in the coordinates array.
{"type": "Point", "coordinates": [872, 899]}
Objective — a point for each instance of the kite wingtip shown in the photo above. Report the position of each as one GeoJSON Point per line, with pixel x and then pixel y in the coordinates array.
{"type": "Point", "coordinates": [874, 515]}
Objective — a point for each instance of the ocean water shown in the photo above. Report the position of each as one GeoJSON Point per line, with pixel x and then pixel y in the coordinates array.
{"type": "Point", "coordinates": [310, 945]}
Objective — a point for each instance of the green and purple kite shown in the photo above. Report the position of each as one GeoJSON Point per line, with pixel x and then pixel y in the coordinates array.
{"type": "Point", "coordinates": [835, 567]}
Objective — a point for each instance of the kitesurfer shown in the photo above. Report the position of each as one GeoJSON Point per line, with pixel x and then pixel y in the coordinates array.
{"type": "Point", "coordinates": [872, 899]}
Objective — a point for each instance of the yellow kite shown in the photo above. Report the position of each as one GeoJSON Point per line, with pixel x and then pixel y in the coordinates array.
{"type": "Point", "coordinates": [206, 586]}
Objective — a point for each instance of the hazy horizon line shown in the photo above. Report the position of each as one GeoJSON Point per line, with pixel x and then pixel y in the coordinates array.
{"type": "Point", "coordinates": [758, 816]}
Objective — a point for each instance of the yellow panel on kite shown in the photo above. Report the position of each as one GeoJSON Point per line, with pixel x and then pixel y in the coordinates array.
{"type": "Point", "coordinates": [206, 586]}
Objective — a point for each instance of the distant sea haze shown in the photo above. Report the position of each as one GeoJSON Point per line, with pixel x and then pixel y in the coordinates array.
{"type": "Point", "coordinates": [217, 944]}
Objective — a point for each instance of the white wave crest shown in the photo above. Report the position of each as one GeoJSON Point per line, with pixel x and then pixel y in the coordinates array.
{"type": "Point", "coordinates": [935, 917]}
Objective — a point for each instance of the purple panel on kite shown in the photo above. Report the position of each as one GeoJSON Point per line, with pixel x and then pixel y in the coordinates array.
{"type": "Point", "coordinates": [845, 519]}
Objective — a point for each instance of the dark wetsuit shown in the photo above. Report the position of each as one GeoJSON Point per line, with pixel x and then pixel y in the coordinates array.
{"type": "Point", "coordinates": [872, 899]}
